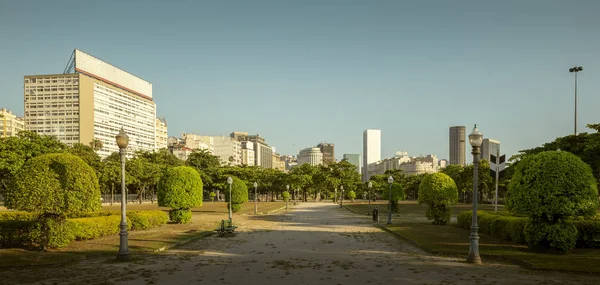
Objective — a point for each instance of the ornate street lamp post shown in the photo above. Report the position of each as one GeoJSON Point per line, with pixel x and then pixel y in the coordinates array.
{"type": "Point", "coordinates": [122, 142]}
{"type": "Point", "coordinates": [230, 181]}
{"type": "Point", "coordinates": [342, 196]}
{"type": "Point", "coordinates": [475, 139]}
{"type": "Point", "coordinates": [255, 200]}
{"type": "Point", "coordinates": [390, 181]}
{"type": "Point", "coordinates": [335, 195]}
{"type": "Point", "coordinates": [369, 195]}
{"type": "Point", "coordinates": [287, 188]}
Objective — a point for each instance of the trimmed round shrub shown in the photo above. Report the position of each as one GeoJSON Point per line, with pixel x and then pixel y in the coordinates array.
{"type": "Point", "coordinates": [552, 187]}
{"type": "Point", "coordinates": [286, 196]}
{"type": "Point", "coordinates": [438, 190]}
{"type": "Point", "coordinates": [212, 196]}
{"type": "Point", "coordinates": [180, 216]}
{"type": "Point", "coordinates": [57, 184]}
{"type": "Point", "coordinates": [351, 195]}
{"type": "Point", "coordinates": [180, 188]}
{"type": "Point", "coordinates": [239, 194]}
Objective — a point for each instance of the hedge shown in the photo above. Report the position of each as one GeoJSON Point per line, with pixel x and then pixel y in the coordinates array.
{"type": "Point", "coordinates": [512, 228]}
{"type": "Point", "coordinates": [26, 233]}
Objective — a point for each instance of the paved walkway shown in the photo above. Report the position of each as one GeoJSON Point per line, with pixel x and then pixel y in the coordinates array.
{"type": "Point", "coordinates": [312, 244]}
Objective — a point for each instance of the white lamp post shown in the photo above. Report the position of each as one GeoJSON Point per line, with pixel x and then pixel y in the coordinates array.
{"type": "Point", "coordinates": [287, 188]}
{"type": "Point", "coordinates": [369, 195]}
{"type": "Point", "coordinates": [255, 201]}
{"type": "Point", "coordinates": [475, 139]}
{"type": "Point", "coordinates": [342, 196]}
{"type": "Point", "coordinates": [230, 181]}
{"type": "Point", "coordinates": [122, 142]}
{"type": "Point", "coordinates": [575, 69]}
{"type": "Point", "coordinates": [390, 181]}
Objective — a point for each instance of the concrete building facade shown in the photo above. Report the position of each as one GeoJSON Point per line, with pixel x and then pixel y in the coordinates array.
{"type": "Point", "coordinates": [328, 150]}
{"type": "Point", "coordinates": [489, 147]}
{"type": "Point", "coordinates": [371, 150]}
{"type": "Point", "coordinates": [11, 123]}
{"type": "Point", "coordinates": [457, 145]}
{"type": "Point", "coordinates": [310, 155]}
{"type": "Point", "coordinates": [248, 153]}
{"type": "Point", "coordinates": [91, 100]}
{"type": "Point", "coordinates": [354, 159]}
{"type": "Point", "coordinates": [162, 135]}
{"type": "Point", "coordinates": [263, 153]}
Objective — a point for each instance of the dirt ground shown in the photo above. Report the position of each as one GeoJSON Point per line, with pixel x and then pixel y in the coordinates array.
{"type": "Point", "coordinates": [314, 243]}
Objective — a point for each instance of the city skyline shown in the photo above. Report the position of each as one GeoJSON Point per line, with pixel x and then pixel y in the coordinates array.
{"type": "Point", "coordinates": [272, 61]}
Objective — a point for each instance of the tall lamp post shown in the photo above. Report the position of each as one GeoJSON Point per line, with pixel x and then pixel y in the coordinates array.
{"type": "Point", "coordinates": [335, 195]}
{"type": "Point", "coordinates": [255, 201]}
{"type": "Point", "coordinates": [287, 188]}
{"type": "Point", "coordinates": [369, 195]}
{"type": "Point", "coordinates": [475, 139]}
{"type": "Point", "coordinates": [575, 69]}
{"type": "Point", "coordinates": [230, 181]}
{"type": "Point", "coordinates": [342, 196]}
{"type": "Point", "coordinates": [390, 181]}
{"type": "Point", "coordinates": [122, 142]}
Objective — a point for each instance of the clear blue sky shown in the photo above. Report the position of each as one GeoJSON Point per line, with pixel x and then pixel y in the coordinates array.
{"type": "Point", "coordinates": [302, 72]}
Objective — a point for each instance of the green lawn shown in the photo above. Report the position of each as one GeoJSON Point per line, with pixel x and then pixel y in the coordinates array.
{"type": "Point", "coordinates": [452, 240]}
{"type": "Point", "coordinates": [204, 220]}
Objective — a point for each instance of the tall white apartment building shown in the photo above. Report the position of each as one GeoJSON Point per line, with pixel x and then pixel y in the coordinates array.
{"type": "Point", "coordinates": [371, 150]}
{"type": "Point", "coordinates": [161, 133]}
{"type": "Point", "coordinates": [248, 153]}
{"type": "Point", "coordinates": [10, 124]}
{"type": "Point", "coordinates": [91, 100]}
{"type": "Point", "coordinates": [227, 149]}
{"type": "Point", "coordinates": [311, 155]}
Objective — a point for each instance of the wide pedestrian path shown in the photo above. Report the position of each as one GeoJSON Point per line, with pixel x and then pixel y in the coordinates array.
{"type": "Point", "coordinates": [313, 243]}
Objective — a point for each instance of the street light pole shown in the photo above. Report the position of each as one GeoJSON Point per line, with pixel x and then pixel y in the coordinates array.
{"type": "Point", "coordinates": [255, 201]}
{"type": "Point", "coordinates": [390, 181]}
{"type": "Point", "coordinates": [575, 69]}
{"type": "Point", "coordinates": [342, 196]}
{"type": "Point", "coordinates": [369, 195]}
{"type": "Point", "coordinates": [475, 139]}
{"type": "Point", "coordinates": [335, 195]}
{"type": "Point", "coordinates": [122, 142]}
{"type": "Point", "coordinates": [230, 181]}
{"type": "Point", "coordinates": [287, 188]}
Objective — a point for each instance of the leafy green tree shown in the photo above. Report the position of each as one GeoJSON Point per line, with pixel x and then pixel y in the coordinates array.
{"type": "Point", "coordinates": [552, 187]}
{"type": "Point", "coordinates": [15, 151]}
{"type": "Point", "coordinates": [96, 145]}
{"type": "Point", "coordinates": [87, 154]}
{"type": "Point", "coordinates": [239, 194]}
{"type": "Point", "coordinates": [212, 196]}
{"type": "Point", "coordinates": [438, 191]}
{"type": "Point", "coordinates": [286, 196]}
{"type": "Point", "coordinates": [109, 176]}
{"type": "Point", "coordinates": [411, 184]}
{"type": "Point", "coordinates": [397, 195]}
{"type": "Point", "coordinates": [180, 188]}
{"type": "Point", "coordinates": [351, 195]}
{"type": "Point", "coordinates": [208, 166]}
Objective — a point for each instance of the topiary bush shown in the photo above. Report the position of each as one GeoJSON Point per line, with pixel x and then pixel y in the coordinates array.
{"type": "Point", "coordinates": [398, 195]}
{"type": "Point", "coordinates": [551, 188]}
{"type": "Point", "coordinates": [239, 194]}
{"type": "Point", "coordinates": [180, 188]}
{"type": "Point", "coordinates": [286, 196]}
{"type": "Point", "coordinates": [212, 196]}
{"type": "Point", "coordinates": [351, 195]}
{"type": "Point", "coordinates": [438, 191]}
{"type": "Point", "coordinates": [53, 185]}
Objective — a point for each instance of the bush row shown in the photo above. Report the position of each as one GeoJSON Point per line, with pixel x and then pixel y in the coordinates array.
{"type": "Point", "coordinates": [48, 233]}
{"type": "Point", "coordinates": [512, 228]}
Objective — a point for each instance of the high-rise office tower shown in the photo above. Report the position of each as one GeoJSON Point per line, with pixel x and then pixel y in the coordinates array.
{"type": "Point", "coordinates": [354, 159]}
{"type": "Point", "coordinates": [457, 145]}
{"type": "Point", "coordinates": [489, 146]}
{"type": "Point", "coordinates": [328, 152]}
{"type": "Point", "coordinates": [91, 100]}
{"type": "Point", "coordinates": [371, 150]}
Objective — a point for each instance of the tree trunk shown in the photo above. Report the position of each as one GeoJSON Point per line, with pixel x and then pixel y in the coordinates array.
{"type": "Point", "coordinates": [112, 193]}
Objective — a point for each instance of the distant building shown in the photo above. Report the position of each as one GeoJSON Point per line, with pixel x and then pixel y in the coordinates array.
{"type": "Point", "coordinates": [91, 100]}
{"type": "Point", "coordinates": [161, 133]}
{"type": "Point", "coordinates": [194, 141]}
{"type": "Point", "coordinates": [457, 145]}
{"type": "Point", "coordinates": [408, 165]}
{"type": "Point", "coordinates": [247, 153]}
{"type": "Point", "coordinates": [278, 163]}
{"type": "Point", "coordinates": [371, 150]}
{"type": "Point", "coordinates": [328, 150]}
{"type": "Point", "coordinates": [227, 149]}
{"type": "Point", "coordinates": [354, 159]}
{"type": "Point", "coordinates": [489, 146]}
{"type": "Point", "coordinates": [13, 125]}
{"type": "Point", "coordinates": [311, 155]}
{"type": "Point", "coordinates": [442, 163]}
{"type": "Point", "coordinates": [290, 161]}
{"type": "Point", "coordinates": [263, 153]}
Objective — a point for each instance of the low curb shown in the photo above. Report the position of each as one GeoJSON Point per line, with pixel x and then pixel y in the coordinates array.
{"type": "Point", "coordinates": [182, 242]}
